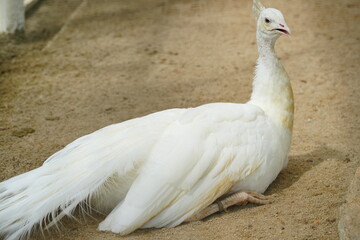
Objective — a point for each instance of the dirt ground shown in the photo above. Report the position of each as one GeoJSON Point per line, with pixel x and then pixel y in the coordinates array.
{"type": "Point", "coordinates": [82, 65]}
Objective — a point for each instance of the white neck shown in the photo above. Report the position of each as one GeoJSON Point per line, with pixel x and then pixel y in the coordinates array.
{"type": "Point", "coordinates": [271, 86]}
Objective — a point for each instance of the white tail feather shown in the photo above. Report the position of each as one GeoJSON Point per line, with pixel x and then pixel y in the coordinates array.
{"type": "Point", "coordinates": [41, 197]}
{"type": "Point", "coordinates": [96, 169]}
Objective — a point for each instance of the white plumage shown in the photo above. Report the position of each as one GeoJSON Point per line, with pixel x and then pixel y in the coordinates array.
{"type": "Point", "coordinates": [158, 170]}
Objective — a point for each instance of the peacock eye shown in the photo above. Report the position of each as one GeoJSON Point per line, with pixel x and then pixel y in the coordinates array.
{"type": "Point", "coordinates": [267, 20]}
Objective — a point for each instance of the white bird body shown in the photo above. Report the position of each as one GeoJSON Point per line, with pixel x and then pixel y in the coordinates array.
{"type": "Point", "coordinates": [158, 170]}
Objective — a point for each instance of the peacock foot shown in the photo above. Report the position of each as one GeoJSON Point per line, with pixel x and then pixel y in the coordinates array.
{"type": "Point", "coordinates": [239, 198]}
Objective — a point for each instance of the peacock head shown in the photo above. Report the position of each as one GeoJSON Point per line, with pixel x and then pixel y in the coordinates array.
{"type": "Point", "coordinates": [270, 21]}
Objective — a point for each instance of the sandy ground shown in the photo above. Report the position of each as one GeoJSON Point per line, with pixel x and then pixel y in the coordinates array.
{"type": "Point", "coordinates": [82, 65]}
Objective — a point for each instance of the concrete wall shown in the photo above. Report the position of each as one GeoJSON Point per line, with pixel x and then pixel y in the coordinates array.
{"type": "Point", "coordinates": [12, 15]}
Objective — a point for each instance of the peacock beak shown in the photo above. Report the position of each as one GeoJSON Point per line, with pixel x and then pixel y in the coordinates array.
{"type": "Point", "coordinates": [283, 29]}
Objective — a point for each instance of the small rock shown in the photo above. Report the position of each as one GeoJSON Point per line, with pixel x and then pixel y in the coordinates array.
{"type": "Point", "coordinates": [52, 118]}
{"type": "Point", "coordinates": [23, 132]}
{"type": "Point", "coordinates": [154, 52]}
{"type": "Point", "coordinates": [109, 109]}
{"type": "Point", "coordinates": [309, 120]}
{"type": "Point", "coordinates": [331, 220]}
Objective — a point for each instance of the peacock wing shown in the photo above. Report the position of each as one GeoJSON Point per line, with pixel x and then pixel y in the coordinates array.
{"type": "Point", "coordinates": [197, 159]}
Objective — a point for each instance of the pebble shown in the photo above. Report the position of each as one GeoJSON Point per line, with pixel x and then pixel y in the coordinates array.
{"type": "Point", "coordinates": [23, 132]}
{"type": "Point", "coordinates": [52, 118]}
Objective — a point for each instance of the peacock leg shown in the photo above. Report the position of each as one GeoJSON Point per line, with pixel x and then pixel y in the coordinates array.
{"type": "Point", "coordinates": [238, 198]}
